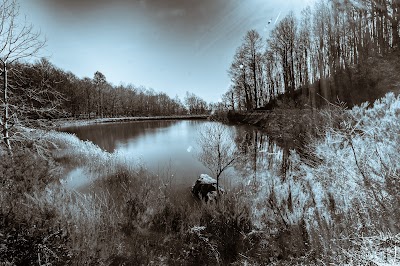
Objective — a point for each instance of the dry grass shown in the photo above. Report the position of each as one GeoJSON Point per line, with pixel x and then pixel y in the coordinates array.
{"type": "Point", "coordinates": [340, 207]}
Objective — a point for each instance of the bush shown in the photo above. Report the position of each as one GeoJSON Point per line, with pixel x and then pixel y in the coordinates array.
{"type": "Point", "coordinates": [225, 224]}
{"type": "Point", "coordinates": [27, 171]}
{"type": "Point", "coordinates": [34, 240]}
{"type": "Point", "coordinates": [30, 233]}
{"type": "Point", "coordinates": [345, 186]}
{"type": "Point", "coordinates": [359, 163]}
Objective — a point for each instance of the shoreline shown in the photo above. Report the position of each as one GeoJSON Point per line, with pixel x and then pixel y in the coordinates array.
{"type": "Point", "coordinates": [289, 128]}
{"type": "Point", "coordinates": [71, 122]}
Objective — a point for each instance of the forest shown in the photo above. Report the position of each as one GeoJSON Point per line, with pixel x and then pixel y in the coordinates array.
{"type": "Point", "coordinates": [337, 50]}
{"type": "Point", "coordinates": [45, 91]}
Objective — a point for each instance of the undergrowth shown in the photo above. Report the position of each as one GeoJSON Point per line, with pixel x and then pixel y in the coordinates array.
{"type": "Point", "coordinates": [338, 205]}
{"type": "Point", "coordinates": [346, 188]}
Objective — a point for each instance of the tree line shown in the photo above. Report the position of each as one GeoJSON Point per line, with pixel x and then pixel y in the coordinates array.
{"type": "Point", "coordinates": [34, 90]}
{"type": "Point", "coordinates": [325, 55]}
{"type": "Point", "coordinates": [40, 90]}
{"type": "Point", "coordinates": [69, 96]}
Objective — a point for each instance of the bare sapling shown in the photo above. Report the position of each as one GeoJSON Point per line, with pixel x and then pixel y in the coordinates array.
{"type": "Point", "coordinates": [217, 149]}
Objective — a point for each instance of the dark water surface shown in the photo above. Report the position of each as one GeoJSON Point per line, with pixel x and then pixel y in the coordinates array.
{"type": "Point", "coordinates": [169, 148]}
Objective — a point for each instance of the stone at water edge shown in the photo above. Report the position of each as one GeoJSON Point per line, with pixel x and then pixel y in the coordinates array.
{"type": "Point", "coordinates": [206, 188]}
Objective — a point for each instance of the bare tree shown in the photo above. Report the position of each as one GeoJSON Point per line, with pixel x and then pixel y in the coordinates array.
{"type": "Point", "coordinates": [18, 41]}
{"type": "Point", "coordinates": [195, 104]}
{"type": "Point", "coordinates": [253, 45]}
{"type": "Point", "coordinates": [99, 81]}
{"type": "Point", "coordinates": [239, 74]}
{"type": "Point", "coordinates": [282, 42]}
{"type": "Point", "coordinates": [217, 149]}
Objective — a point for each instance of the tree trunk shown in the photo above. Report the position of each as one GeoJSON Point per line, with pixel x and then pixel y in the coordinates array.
{"type": "Point", "coordinates": [246, 92]}
{"type": "Point", "coordinates": [6, 133]}
{"type": "Point", "coordinates": [292, 74]}
{"type": "Point", "coordinates": [397, 21]}
{"type": "Point", "coordinates": [255, 81]}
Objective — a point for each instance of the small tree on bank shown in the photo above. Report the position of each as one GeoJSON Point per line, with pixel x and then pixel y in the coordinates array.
{"type": "Point", "coordinates": [217, 149]}
{"type": "Point", "coordinates": [18, 41]}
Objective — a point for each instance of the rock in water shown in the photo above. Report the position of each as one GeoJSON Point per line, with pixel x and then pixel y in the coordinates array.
{"type": "Point", "coordinates": [206, 188]}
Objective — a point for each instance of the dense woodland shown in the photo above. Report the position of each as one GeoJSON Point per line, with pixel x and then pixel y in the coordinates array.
{"type": "Point", "coordinates": [40, 90]}
{"type": "Point", "coordinates": [332, 52]}
{"type": "Point", "coordinates": [50, 92]}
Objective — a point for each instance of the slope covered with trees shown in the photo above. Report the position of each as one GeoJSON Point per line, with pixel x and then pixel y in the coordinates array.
{"type": "Point", "coordinates": [338, 49]}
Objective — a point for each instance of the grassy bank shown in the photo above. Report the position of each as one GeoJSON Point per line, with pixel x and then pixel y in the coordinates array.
{"type": "Point", "coordinates": [340, 205]}
{"type": "Point", "coordinates": [132, 218]}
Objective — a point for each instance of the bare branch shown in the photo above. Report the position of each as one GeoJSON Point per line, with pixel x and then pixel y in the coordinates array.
{"type": "Point", "coordinates": [217, 148]}
{"type": "Point", "coordinates": [17, 41]}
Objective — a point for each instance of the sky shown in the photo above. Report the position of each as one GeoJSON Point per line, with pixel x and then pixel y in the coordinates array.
{"type": "Point", "coordinates": [171, 46]}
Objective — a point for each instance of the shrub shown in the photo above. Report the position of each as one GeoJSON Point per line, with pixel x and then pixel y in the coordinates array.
{"type": "Point", "coordinates": [346, 187]}
{"type": "Point", "coordinates": [26, 170]}
{"type": "Point", "coordinates": [35, 239]}
{"type": "Point", "coordinates": [227, 222]}
{"type": "Point", "coordinates": [30, 233]}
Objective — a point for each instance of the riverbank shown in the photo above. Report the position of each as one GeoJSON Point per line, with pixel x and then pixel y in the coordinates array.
{"type": "Point", "coordinates": [71, 122]}
{"type": "Point", "coordinates": [290, 128]}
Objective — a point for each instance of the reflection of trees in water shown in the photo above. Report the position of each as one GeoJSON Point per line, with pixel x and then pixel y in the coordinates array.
{"type": "Point", "coordinates": [106, 136]}
{"type": "Point", "coordinates": [259, 154]}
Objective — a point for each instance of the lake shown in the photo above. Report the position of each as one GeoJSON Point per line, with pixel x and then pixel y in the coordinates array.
{"type": "Point", "coordinates": [169, 148]}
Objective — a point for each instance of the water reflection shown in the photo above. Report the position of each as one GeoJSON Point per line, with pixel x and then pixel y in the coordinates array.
{"type": "Point", "coordinates": [260, 156]}
{"type": "Point", "coordinates": [165, 148]}
{"type": "Point", "coordinates": [168, 150]}
{"type": "Point", "coordinates": [108, 136]}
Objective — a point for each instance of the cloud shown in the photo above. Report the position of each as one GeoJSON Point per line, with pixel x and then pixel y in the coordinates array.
{"type": "Point", "coordinates": [175, 7]}
{"type": "Point", "coordinates": [79, 5]}
{"type": "Point", "coordinates": [171, 13]}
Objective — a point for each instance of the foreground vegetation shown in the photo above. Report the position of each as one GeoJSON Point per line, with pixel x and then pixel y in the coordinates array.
{"type": "Point", "coordinates": [340, 205]}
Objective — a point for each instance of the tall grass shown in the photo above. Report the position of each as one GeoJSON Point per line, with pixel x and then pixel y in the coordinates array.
{"type": "Point", "coordinates": [346, 188]}
{"type": "Point", "coordinates": [131, 217]}
{"type": "Point", "coordinates": [339, 204]}
{"type": "Point", "coordinates": [29, 233]}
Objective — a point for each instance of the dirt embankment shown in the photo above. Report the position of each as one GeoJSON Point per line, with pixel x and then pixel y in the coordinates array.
{"type": "Point", "coordinates": [289, 127]}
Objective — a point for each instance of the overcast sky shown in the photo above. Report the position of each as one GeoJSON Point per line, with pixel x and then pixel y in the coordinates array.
{"type": "Point", "coordinates": [171, 46]}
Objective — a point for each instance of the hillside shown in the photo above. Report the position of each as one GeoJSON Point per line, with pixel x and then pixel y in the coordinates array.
{"type": "Point", "coordinates": [291, 121]}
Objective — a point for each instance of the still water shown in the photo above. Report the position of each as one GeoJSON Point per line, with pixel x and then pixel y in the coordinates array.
{"type": "Point", "coordinates": [169, 149]}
